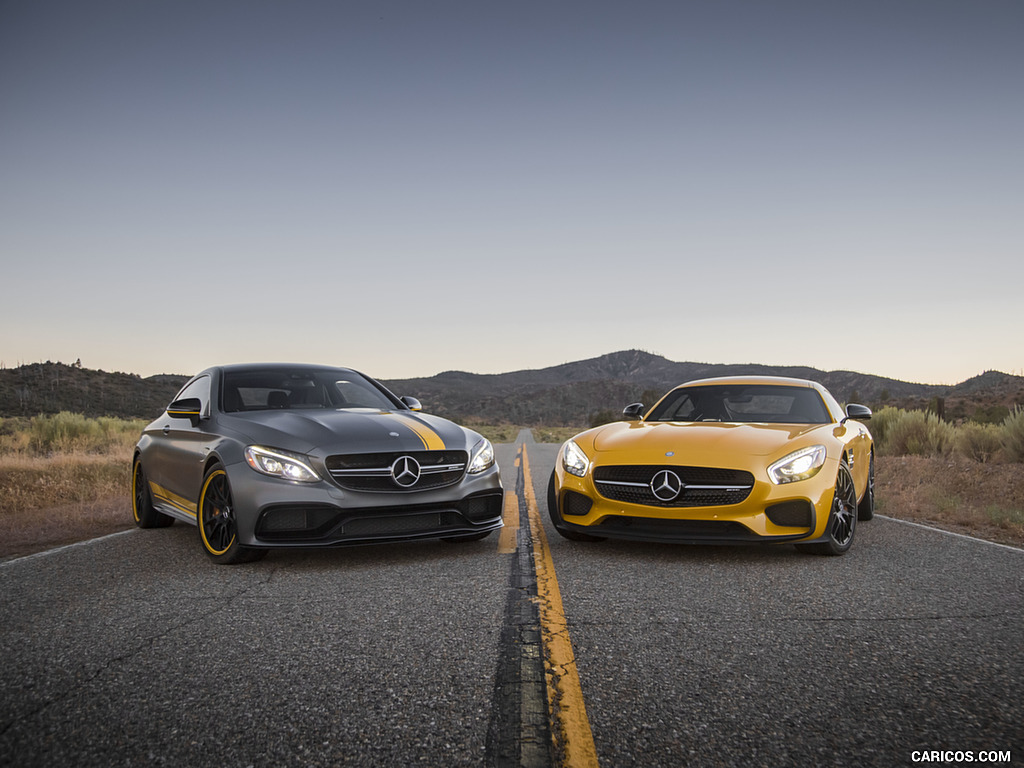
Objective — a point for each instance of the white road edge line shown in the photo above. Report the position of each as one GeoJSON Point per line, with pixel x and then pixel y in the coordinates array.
{"type": "Point", "coordinates": [951, 533]}
{"type": "Point", "coordinates": [54, 551]}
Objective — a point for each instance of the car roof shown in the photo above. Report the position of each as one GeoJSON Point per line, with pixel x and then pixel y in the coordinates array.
{"type": "Point", "coordinates": [254, 367]}
{"type": "Point", "coordinates": [777, 381]}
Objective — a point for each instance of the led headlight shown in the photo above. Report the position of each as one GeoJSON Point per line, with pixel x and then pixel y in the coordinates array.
{"type": "Point", "coordinates": [482, 457]}
{"type": "Point", "coordinates": [574, 460]}
{"type": "Point", "coordinates": [799, 465]}
{"type": "Point", "coordinates": [286, 466]}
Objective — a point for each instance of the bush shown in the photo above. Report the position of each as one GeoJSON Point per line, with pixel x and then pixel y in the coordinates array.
{"type": "Point", "coordinates": [990, 414]}
{"type": "Point", "coordinates": [916, 433]}
{"type": "Point", "coordinates": [1013, 435]}
{"type": "Point", "coordinates": [74, 433]}
{"type": "Point", "coordinates": [978, 442]}
{"type": "Point", "coordinates": [882, 421]}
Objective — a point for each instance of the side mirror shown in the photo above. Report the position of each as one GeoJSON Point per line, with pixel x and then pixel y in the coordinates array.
{"type": "Point", "coordinates": [633, 412]}
{"type": "Point", "coordinates": [412, 403]}
{"type": "Point", "coordinates": [190, 408]}
{"type": "Point", "coordinates": [858, 412]}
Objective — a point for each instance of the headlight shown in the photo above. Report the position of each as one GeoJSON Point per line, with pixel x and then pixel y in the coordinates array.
{"type": "Point", "coordinates": [482, 457]}
{"type": "Point", "coordinates": [574, 460]}
{"type": "Point", "coordinates": [799, 465]}
{"type": "Point", "coordinates": [280, 464]}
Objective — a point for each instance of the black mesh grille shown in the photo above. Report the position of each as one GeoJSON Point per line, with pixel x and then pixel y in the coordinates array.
{"type": "Point", "coordinates": [372, 471]}
{"type": "Point", "coordinates": [395, 525]}
{"type": "Point", "coordinates": [728, 486]}
{"type": "Point", "coordinates": [295, 522]}
{"type": "Point", "coordinates": [677, 529]}
{"type": "Point", "coordinates": [576, 504]}
{"type": "Point", "coordinates": [484, 507]}
{"type": "Point", "coordinates": [324, 523]}
{"type": "Point", "coordinates": [794, 514]}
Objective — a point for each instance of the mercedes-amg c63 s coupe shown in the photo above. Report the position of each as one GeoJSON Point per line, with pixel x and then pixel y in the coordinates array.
{"type": "Point", "coordinates": [726, 460]}
{"type": "Point", "coordinates": [264, 456]}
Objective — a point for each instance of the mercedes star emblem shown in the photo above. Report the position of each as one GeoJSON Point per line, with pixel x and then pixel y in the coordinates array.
{"type": "Point", "coordinates": [666, 485]}
{"type": "Point", "coordinates": [405, 471]}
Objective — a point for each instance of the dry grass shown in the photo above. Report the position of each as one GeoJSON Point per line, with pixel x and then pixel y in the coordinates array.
{"type": "Point", "coordinates": [46, 502]}
{"type": "Point", "coordinates": [34, 530]}
{"type": "Point", "coordinates": [980, 499]}
{"type": "Point", "coordinates": [34, 482]}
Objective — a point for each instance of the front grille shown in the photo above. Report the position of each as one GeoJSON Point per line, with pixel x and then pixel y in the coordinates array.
{"type": "Point", "coordinates": [702, 486]}
{"type": "Point", "coordinates": [286, 523]}
{"type": "Point", "coordinates": [372, 472]}
{"type": "Point", "coordinates": [397, 525]}
{"type": "Point", "coordinates": [675, 530]}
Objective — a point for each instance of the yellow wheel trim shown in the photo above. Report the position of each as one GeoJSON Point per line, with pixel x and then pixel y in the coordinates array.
{"type": "Point", "coordinates": [135, 485]}
{"type": "Point", "coordinates": [199, 518]}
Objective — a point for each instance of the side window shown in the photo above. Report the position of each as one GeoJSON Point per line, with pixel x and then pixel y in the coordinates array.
{"type": "Point", "coordinates": [199, 388]}
{"type": "Point", "coordinates": [683, 409]}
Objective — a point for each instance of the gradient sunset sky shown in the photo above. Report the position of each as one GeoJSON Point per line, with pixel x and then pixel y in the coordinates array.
{"type": "Point", "coordinates": [413, 187]}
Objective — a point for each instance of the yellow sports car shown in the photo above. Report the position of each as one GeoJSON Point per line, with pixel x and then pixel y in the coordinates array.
{"type": "Point", "coordinates": [729, 460]}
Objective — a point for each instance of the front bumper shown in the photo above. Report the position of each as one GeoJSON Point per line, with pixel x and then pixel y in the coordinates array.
{"type": "Point", "coordinates": [276, 513]}
{"type": "Point", "coordinates": [796, 512]}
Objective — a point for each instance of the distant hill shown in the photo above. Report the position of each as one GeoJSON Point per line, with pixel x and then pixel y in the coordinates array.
{"type": "Point", "coordinates": [571, 394]}
{"type": "Point", "coordinates": [30, 390]}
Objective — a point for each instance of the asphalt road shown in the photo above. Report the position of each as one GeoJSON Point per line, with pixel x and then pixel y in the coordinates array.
{"type": "Point", "coordinates": [134, 651]}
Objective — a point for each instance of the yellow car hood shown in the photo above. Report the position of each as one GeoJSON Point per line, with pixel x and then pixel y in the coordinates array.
{"type": "Point", "coordinates": [700, 443]}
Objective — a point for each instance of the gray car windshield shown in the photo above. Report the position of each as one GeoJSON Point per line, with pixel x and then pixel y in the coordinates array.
{"type": "Point", "coordinates": [750, 403]}
{"type": "Point", "coordinates": [283, 388]}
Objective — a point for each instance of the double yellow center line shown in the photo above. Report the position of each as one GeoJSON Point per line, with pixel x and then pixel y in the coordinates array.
{"type": "Point", "coordinates": [570, 729]}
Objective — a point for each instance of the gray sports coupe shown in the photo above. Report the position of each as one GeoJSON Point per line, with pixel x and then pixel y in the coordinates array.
{"type": "Point", "coordinates": [263, 456]}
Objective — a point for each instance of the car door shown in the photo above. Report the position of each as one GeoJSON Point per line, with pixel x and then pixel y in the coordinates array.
{"type": "Point", "coordinates": [180, 449]}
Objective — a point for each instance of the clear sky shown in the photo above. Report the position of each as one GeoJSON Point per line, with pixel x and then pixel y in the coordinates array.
{"type": "Point", "coordinates": [413, 187]}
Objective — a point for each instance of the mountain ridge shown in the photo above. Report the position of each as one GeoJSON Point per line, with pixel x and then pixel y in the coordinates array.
{"type": "Point", "coordinates": [568, 394]}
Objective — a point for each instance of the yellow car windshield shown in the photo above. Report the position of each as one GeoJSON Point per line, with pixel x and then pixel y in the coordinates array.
{"type": "Point", "coordinates": [747, 403]}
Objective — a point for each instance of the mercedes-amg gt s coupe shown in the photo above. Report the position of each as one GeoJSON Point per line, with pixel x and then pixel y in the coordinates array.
{"type": "Point", "coordinates": [726, 460]}
{"type": "Point", "coordinates": [283, 455]}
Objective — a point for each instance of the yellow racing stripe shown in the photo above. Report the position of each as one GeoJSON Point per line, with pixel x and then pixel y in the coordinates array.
{"type": "Point", "coordinates": [176, 501]}
{"type": "Point", "coordinates": [431, 440]}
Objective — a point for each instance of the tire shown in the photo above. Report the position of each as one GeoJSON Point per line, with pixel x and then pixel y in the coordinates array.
{"type": "Point", "coordinates": [143, 511]}
{"type": "Point", "coordinates": [866, 507]}
{"type": "Point", "coordinates": [842, 518]}
{"type": "Point", "coordinates": [556, 517]}
{"type": "Point", "coordinates": [215, 518]}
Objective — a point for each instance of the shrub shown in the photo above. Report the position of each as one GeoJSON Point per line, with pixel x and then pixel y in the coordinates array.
{"type": "Point", "coordinates": [72, 432]}
{"type": "Point", "coordinates": [1013, 435]}
{"type": "Point", "coordinates": [978, 442]}
{"type": "Point", "coordinates": [917, 433]}
{"type": "Point", "coordinates": [882, 421]}
{"type": "Point", "coordinates": [990, 414]}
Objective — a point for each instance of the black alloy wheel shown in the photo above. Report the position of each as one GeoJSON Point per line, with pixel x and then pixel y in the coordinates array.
{"type": "Point", "coordinates": [143, 511]}
{"type": "Point", "coordinates": [218, 529]}
{"type": "Point", "coordinates": [842, 519]}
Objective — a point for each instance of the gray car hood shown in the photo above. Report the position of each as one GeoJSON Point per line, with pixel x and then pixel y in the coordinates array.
{"type": "Point", "coordinates": [349, 430]}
